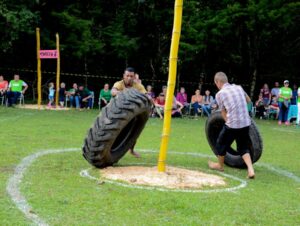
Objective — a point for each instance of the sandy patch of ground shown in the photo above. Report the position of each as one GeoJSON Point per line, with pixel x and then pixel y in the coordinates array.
{"type": "Point", "coordinates": [42, 107]}
{"type": "Point", "coordinates": [173, 178]}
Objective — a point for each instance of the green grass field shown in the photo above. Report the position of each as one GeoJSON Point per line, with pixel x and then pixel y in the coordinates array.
{"type": "Point", "coordinates": [58, 194]}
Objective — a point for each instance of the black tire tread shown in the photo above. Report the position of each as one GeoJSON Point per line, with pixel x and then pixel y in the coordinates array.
{"type": "Point", "coordinates": [213, 127]}
{"type": "Point", "coordinates": [127, 106]}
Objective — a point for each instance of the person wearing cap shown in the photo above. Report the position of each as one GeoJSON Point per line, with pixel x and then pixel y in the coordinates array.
{"type": "Point", "coordinates": [284, 101]}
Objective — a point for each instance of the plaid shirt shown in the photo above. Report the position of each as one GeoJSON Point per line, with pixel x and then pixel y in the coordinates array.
{"type": "Point", "coordinates": [233, 99]}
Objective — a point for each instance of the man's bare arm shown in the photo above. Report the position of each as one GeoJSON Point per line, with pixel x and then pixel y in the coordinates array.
{"type": "Point", "coordinates": [224, 114]}
{"type": "Point", "coordinates": [25, 88]}
{"type": "Point", "coordinates": [114, 91]}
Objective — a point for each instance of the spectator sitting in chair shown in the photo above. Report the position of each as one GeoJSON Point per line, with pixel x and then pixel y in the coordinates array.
{"type": "Point", "coordinates": [71, 95]}
{"type": "Point", "coordinates": [177, 108]}
{"type": "Point", "coordinates": [182, 98]}
{"type": "Point", "coordinates": [151, 96]}
{"type": "Point", "coordinates": [208, 101]}
{"type": "Point", "coordinates": [274, 107]}
{"type": "Point", "coordinates": [266, 94]}
{"type": "Point", "coordinates": [197, 102]}
{"type": "Point", "coordinates": [3, 86]}
{"type": "Point", "coordinates": [260, 107]}
{"type": "Point", "coordinates": [85, 97]}
{"type": "Point", "coordinates": [15, 90]}
{"type": "Point", "coordinates": [160, 105]}
{"type": "Point", "coordinates": [105, 96]}
{"type": "Point", "coordinates": [150, 92]}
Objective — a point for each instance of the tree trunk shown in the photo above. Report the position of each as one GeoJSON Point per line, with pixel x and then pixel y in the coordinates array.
{"type": "Point", "coordinates": [153, 72]}
{"type": "Point", "coordinates": [253, 84]}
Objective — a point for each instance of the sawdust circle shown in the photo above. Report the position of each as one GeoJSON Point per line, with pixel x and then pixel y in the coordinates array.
{"type": "Point", "coordinates": [173, 178]}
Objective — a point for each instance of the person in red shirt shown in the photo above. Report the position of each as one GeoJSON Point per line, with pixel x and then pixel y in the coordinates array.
{"type": "Point", "coordinates": [3, 86]}
{"type": "Point", "coordinates": [266, 94]}
{"type": "Point", "coordinates": [160, 104]}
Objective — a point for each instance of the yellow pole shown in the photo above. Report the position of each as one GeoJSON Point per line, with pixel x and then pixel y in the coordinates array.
{"type": "Point", "coordinates": [57, 70]}
{"type": "Point", "coordinates": [39, 73]}
{"type": "Point", "coordinates": [171, 85]}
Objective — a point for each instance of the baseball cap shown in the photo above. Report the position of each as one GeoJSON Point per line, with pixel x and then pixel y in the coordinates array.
{"type": "Point", "coordinates": [286, 81]}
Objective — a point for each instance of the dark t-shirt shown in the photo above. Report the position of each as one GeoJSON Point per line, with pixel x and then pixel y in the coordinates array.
{"type": "Point", "coordinates": [62, 92]}
{"type": "Point", "coordinates": [83, 93]}
{"type": "Point", "coordinates": [294, 97]}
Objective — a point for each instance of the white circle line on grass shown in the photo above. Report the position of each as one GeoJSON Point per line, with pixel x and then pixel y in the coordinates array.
{"type": "Point", "coordinates": [270, 167]}
{"type": "Point", "coordinates": [13, 185]}
{"type": "Point", "coordinates": [287, 130]}
{"type": "Point", "coordinates": [85, 173]}
{"type": "Point", "coordinates": [280, 171]}
{"type": "Point", "coordinates": [20, 201]}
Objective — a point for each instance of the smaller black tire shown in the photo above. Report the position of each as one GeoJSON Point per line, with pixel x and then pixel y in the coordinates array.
{"type": "Point", "coordinates": [214, 125]}
{"type": "Point", "coordinates": [117, 128]}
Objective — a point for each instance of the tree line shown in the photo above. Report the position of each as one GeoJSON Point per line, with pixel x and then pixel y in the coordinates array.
{"type": "Point", "coordinates": [253, 41]}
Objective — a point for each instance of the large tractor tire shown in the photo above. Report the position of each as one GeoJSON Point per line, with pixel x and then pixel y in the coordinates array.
{"type": "Point", "coordinates": [116, 128]}
{"type": "Point", "coordinates": [214, 125]}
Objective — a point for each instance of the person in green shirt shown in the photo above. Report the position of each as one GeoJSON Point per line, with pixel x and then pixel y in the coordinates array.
{"type": "Point", "coordinates": [15, 90]}
{"type": "Point", "coordinates": [84, 97]}
{"type": "Point", "coordinates": [284, 101]}
{"type": "Point", "coordinates": [105, 96]}
{"type": "Point", "coordinates": [70, 94]}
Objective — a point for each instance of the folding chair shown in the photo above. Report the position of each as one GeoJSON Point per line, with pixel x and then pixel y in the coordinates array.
{"type": "Point", "coordinates": [21, 100]}
{"type": "Point", "coordinates": [93, 98]}
{"type": "Point", "coordinates": [191, 110]}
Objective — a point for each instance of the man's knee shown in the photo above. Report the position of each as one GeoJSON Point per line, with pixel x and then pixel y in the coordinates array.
{"type": "Point", "coordinates": [221, 149]}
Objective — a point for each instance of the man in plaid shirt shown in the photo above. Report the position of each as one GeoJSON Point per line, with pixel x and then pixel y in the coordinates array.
{"type": "Point", "coordinates": [232, 101]}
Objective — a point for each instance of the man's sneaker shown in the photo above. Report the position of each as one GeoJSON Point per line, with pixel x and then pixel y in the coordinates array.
{"type": "Point", "coordinates": [287, 123]}
{"type": "Point", "coordinates": [279, 122]}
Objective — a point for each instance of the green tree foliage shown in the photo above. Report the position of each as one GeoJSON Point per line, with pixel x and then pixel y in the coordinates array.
{"type": "Point", "coordinates": [15, 20]}
{"type": "Point", "coordinates": [252, 40]}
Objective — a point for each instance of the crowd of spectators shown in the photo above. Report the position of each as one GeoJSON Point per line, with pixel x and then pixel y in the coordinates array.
{"type": "Point", "coordinates": [280, 103]}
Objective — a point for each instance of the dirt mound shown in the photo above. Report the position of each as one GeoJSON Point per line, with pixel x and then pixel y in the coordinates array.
{"type": "Point", "coordinates": [174, 178]}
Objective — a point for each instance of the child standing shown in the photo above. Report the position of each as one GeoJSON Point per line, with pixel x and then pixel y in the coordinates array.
{"type": "Point", "coordinates": [62, 94]}
{"type": "Point", "coordinates": [51, 94]}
